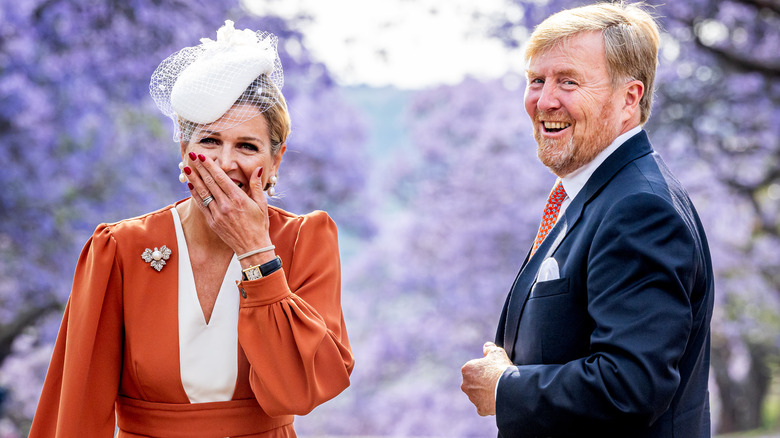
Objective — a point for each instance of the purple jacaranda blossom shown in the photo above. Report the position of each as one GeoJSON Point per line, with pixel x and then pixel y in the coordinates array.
{"type": "Point", "coordinates": [83, 143]}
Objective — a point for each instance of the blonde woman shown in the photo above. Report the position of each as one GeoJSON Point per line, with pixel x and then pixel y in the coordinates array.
{"type": "Point", "coordinates": [218, 315]}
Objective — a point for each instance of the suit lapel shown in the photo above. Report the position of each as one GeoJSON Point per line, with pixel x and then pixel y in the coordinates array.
{"type": "Point", "coordinates": [522, 286]}
{"type": "Point", "coordinates": [633, 148]}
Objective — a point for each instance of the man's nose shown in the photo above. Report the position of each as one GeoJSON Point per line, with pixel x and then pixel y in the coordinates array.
{"type": "Point", "coordinates": [548, 97]}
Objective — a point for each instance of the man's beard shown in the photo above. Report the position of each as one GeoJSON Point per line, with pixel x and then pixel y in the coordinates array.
{"type": "Point", "coordinates": [559, 158]}
{"type": "Point", "coordinates": [563, 157]}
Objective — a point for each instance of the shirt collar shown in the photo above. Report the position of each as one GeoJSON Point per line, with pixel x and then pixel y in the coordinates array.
{"type": "Point", "coordinates": [575, 181]}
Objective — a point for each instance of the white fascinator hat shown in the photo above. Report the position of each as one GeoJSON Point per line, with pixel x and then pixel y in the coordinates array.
{"type": "Point", "coordinates": [198, 85]}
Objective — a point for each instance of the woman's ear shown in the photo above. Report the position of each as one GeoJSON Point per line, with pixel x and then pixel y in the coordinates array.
{"type": "Point", "coordinates": [183, 145]}
{"type": "Point", "coordinates": [278, 157]}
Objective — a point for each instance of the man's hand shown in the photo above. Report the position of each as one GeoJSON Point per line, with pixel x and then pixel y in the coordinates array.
{"type": "Point", "coordinates": [480, 377]}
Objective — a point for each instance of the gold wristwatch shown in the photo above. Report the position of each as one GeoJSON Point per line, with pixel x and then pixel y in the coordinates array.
{"type": "Point", "coordinates": [260, 271]}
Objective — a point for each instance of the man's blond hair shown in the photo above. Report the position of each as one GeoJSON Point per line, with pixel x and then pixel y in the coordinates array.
{"type": "Point", "coordinates": [631, 40]}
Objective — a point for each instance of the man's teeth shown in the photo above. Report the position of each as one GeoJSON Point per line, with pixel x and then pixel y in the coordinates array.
{"type": "Point", "coordinates": [556, 125]}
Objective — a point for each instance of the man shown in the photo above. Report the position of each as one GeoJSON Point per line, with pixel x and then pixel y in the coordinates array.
{"type": "Point", "coordinates": [605, 332]}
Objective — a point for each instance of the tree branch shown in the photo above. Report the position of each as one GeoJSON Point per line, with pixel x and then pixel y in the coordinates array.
{"type": "Point", "coordinates": [740, 62]}
{"type": "Point", "coordinates": [9, 332]}
{"type": "Point", "coordinates": [773, 6]}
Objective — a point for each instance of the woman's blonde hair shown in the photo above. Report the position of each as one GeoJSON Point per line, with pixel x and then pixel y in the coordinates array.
{"type": "Point", "coordinates": [631, 40]}
{"type": "Point", "coordinates": [279, 125]}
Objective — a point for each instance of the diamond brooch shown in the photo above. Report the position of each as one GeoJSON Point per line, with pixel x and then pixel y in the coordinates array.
{"type": "Point", "coordinates": [156, 257]}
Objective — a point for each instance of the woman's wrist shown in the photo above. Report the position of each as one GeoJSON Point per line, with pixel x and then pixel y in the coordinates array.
{"type": "Point", "coordinates": [257, 259]}
{"type": "Point", "coordinates": [255, 251]}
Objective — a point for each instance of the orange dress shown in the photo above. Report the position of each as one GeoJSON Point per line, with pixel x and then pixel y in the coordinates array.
{"type": "Point", "coordinates": [116, 359]}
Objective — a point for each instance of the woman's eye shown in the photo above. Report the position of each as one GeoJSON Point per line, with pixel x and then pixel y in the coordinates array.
{"type": "Point", "coordinates": [249, 147]}
{"type": "Point", "coordinates": [207, 140]}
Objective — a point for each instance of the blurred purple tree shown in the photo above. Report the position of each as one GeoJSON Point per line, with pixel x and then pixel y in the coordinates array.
{"type": "Point", "coordinates": [458, 208]}
{"type": "Point", "coordinates": [465, 195]}
{"type": "Point", "coordinates": [718, 102]}
{"type": "Point", "coordinates": [718, 96]}
{"type": "Point", "coordinates": [468, 193]}
{"type": "Point", "coordinates": [83, 143]}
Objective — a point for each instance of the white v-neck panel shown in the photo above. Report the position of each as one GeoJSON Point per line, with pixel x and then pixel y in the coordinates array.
{"type": "Point", "coordinates": [208, 353]}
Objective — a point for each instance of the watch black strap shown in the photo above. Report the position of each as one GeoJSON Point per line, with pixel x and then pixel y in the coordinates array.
{"type": "Point", "coordinates": [269, 268]}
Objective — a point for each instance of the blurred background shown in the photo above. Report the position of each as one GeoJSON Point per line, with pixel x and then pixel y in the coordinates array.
{"type": "Point", "coordinates": [409, 129]}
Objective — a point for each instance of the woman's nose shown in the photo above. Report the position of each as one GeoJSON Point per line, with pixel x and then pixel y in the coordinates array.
{"type": "Point", "coordinates": [225, 158]}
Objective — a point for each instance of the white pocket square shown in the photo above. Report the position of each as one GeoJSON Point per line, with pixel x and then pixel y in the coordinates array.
{"type": "Point", "coordinates": [548, 271]}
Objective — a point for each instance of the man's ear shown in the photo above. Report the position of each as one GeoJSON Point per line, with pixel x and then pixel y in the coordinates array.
{"type": "Point", "coordinates": [632, 95]}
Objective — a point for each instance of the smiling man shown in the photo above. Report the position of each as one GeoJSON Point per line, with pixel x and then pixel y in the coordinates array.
{"type": "Point", "coordinates": [606, 330]}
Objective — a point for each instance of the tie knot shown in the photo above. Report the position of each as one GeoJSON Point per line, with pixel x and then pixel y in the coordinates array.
{"type": "Point", "coordinates": [558, 193]}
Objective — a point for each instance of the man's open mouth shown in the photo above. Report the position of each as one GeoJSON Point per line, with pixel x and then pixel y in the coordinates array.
{"type": "Point", "coordinates": [555, 126]}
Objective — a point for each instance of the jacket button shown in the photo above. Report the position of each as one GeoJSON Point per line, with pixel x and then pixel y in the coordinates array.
{"type": "Point", "coordinates": [243, 292]}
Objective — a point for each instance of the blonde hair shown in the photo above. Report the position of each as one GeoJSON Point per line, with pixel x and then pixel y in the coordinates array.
{"type": "Point", "coordinates": [279, 125]}
{"type": "Point", "coordinates": [631, 40]}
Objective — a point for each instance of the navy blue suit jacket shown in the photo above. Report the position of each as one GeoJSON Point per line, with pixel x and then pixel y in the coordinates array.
{"type": "Point", "coordinates": [619, 344]}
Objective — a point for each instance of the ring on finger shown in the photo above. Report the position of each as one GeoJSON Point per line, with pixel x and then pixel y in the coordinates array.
{"type": "Point", "coordinates": [207, 200]}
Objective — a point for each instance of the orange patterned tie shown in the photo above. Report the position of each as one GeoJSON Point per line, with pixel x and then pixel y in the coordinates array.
{"type": "Point", "coordinates": [557, 195]}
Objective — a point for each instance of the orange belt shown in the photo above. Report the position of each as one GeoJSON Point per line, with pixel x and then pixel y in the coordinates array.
{"type": "Point", "coordinates": [230, 418]}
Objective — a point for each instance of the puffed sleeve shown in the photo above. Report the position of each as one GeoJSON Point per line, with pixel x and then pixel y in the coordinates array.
{"type": "Point", "coordinates": [292, 330]}
{"type": "Point", "coordinates": [84, 372]}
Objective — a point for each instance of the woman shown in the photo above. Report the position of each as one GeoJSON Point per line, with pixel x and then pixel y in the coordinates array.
{"type": "Point", "coordinates": [219, 315]}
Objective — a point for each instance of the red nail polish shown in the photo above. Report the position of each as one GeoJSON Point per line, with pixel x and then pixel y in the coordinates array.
{"type": "Point", "coordinates": [193, 156]}
{"type": "Point", "coordinates": [202, 157]}
{"type": "Point", "coordinates": [260, 172]}
{"type": "Point", "coordinates": [190, 186]}
{"type": "Point", "coordinates": [187, 170]}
